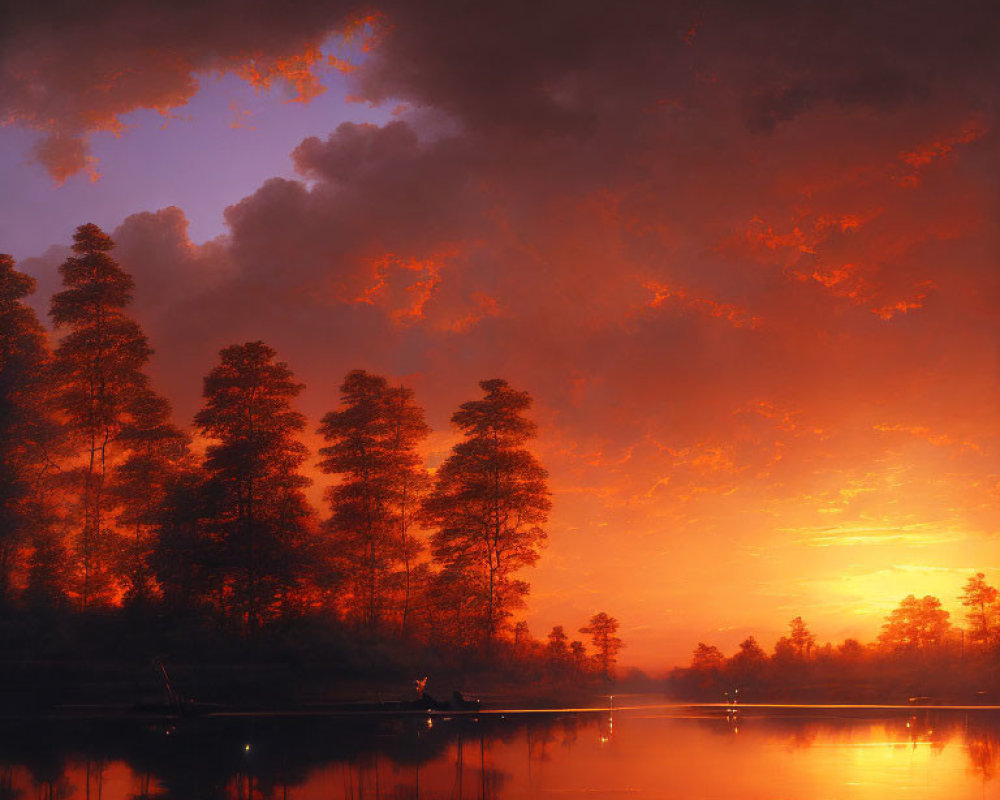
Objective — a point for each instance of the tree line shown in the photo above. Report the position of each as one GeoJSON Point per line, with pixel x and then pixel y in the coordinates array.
{"type": "Point", "coordinates": [919, 655]}
{"type": "Point", "coordinates": [106, 504]}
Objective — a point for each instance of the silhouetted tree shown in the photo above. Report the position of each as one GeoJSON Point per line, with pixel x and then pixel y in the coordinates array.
{"type": "Point", "coordinates": [602, 630]}
{"type": "Point", "coordinates": [784, 650]}
{"type": "Point", "coordinates": [156, 452]}
{"type": "Point", "coordinates": [707, 657]}
{"type": "Point", "coordinates": [410, 481]}
{"type": "Point", "coordinates": [48, 568]}
{"type": "Point", "coordinates": [186, 560]}
{"type": "Point", "coordinates": [748, 663]}
{"type": "Point", "coordinates": [557, 647]}
{"type": "Point", "coordinates": [915, 625]}
{"type": "Point", "coordinates": [802, 640]}
{"type": "Point", "coordinates": [707, 665]}
{"type": "Point", "coordinates": [522, 634]}
{"type": "Point", "coordinates": [28, 431]}
{"type": "Point", "coordinates": [372, 445]}
{"type": "Point", "coordinates": [98, 372]}
{"type": "Point", "coordinates": [916, 656]}
{"type": "Point", "coordinates": [851, 649]}
{"type": "Point", "coordinates": [453, 603]}
{"type": "Point", "coordinates": [983, 612]}
{"type": "Point", "coordinates": [524, 647]}
{"type": "Point", "coordinates": [260, 511]}
{"type": "Point", "coordinates": [489, 502]}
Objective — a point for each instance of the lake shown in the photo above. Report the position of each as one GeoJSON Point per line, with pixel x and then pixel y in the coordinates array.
{"type": "Point", "coordinates": [650, 751]}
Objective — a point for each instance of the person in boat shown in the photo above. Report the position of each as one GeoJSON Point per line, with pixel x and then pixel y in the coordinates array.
{"type": "Point", "coordinates": [425, 701]}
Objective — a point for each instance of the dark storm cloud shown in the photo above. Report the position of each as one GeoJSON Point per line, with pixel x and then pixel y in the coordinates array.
{"type": "Point", "coordinates": [542, 64]}
{"type": "Point", "coordinates": [593, 153]}
{"type": "Point", "coordinates": [69, 69]}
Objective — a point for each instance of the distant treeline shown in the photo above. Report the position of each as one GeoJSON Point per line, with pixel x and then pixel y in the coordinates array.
{"type": "Point", "coordinates": [121, 539]}
{"type": "Point", "coordinates": [918, 657]}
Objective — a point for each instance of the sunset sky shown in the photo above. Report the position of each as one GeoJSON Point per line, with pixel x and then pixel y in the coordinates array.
{"type": "Point", "coordinates": [745, 256]}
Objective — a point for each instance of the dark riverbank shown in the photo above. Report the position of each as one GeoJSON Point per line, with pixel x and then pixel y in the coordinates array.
{"type": "Point", "coordinates": [161, 688]}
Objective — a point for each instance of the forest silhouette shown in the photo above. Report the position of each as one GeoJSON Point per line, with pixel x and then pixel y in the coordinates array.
{"type": "Point", "coordinates": [919, 657]}
{"type": "Point", "coordinates": [127, 542]}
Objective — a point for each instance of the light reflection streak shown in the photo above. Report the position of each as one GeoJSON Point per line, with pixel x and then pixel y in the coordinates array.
{"type": "Point", "coordinates": [934, 753]}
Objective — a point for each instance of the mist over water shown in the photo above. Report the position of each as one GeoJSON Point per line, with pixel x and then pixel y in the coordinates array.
{"type": "Point", "coordinates": [654, 751]}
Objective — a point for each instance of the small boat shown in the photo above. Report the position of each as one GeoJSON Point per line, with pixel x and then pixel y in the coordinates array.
{"type": "Point", "coordinates": [460, 703]}
{"type": "Point", "coordinates": [457, 702]}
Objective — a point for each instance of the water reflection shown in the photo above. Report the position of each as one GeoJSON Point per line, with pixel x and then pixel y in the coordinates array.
{"type": "Point", "coordinates": [659, 751]}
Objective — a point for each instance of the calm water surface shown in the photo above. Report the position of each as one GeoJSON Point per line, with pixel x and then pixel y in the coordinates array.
{"type": "Point", "coordinates": [649, 752]}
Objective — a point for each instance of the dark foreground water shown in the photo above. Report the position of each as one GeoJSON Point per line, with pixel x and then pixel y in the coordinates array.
{"type": "Point", "coordinates": [650, 752]}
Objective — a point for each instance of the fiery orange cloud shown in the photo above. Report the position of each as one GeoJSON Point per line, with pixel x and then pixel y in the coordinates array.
{"type": "Point", "coordinates": [785, 419]}
{"type": "Point", "coordinates": [482, 306]}
{"type": "Point", "coordinates": [364, 32]}
{"type": "Point", "coordinates": [925, 433]}
{"type": "Point", "coordinates": [810, 251]}
{"type": "Point", "coordinates": [297, 70]}
{"type": "Point", "coordinates": [940, 149]}
{"type": "Point", "coordinates": [887, 312]}
{"type": "Point", "coordinates": [402, 285]}
{"type": "Point", "coordinates": [808, 235]}
{"type": "Point", "coordinates": [370, 29]}
{"type": "Point", "coordinates": [407, 290]}
{"type": "Point", "coordinates": [735, 315]}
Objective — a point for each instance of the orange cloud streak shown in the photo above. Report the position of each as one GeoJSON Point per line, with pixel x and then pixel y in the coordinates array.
{"type": "Point", "coordinates": [936, 150]}
{"type": "Point", "coordinates": [925, 433]}
{"type": "Point", "coordinates": [405, 288]}
{"type": "Point", "coordinates": [735, 315]}
{"type": "Point", "coordinates": [298, 71]}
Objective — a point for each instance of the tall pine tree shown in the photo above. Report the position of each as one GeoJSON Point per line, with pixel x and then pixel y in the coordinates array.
{"type": "Point", "coordinates": [259, 520]}
{"type": "Point", "coordinates": [184, 559]}
{"type": "Point", "coordinates": [156, 454]}
{"type": "Point", "coordinates": [372, 445]}
{"type": "Point", "coordinates": [28, 432]}
{"type": "Point", "coordinates": [98, 371]}
{"type": "Point", "coordinates": [603, 634]}
{"type": "Point", "coordinates": [489, 503]}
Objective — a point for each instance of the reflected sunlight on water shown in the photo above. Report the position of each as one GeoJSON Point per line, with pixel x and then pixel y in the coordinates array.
{"type": "Point", "coordinates": [660, 752]}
